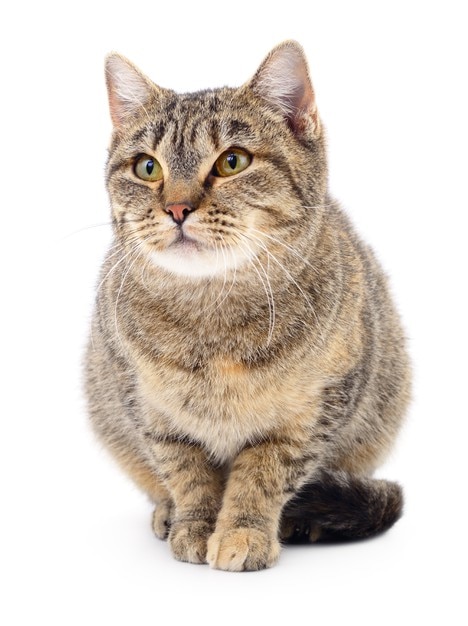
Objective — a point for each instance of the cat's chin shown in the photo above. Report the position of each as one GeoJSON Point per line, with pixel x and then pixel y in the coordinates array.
{"type": "Point", "coordinates": [191, 260]}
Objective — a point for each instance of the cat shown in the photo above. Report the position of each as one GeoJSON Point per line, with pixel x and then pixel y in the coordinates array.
{"type": "Point", "coordinates": [246, 366]}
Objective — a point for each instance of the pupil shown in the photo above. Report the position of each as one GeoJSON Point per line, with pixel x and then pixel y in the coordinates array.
{"type": "Point", "coordinates": [232, 161]}
{"type": "Point", "coordinates": [149, 167]}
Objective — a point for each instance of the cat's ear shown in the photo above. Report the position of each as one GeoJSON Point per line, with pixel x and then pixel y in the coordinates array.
{"type": "Point", "coordinates": [128, 89]}
{"type": "Point", "coordinates": [283, 81]}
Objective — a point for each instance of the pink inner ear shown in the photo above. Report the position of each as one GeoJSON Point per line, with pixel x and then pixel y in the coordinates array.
{"type": "Point", "coordinates": [115, 108]}
{"type": "Point", "coordinates": [283, 80]}
{"type": "Point", "coordinates": [128, 89]}
{"type": "Point", "coordinates": [302, 105]}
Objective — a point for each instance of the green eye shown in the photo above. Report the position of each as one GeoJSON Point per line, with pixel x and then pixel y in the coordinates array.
{"type": "Point", "coordinates": [147, 168]}
{"type": "Point", "coordinates": [231, 162]}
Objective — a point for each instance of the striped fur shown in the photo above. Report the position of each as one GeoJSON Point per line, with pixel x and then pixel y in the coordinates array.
{"type": "Point", "coordinates": [247, 369]}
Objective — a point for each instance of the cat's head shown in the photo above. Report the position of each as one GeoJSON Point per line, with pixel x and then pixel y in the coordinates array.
{"type": "Point", "coordinates": [204, 183]}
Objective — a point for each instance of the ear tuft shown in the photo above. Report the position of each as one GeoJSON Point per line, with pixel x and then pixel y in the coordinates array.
{"type": "Point", "coordinates": [283, 81]}
{"type": "Point", "coordinates": [129, 90]}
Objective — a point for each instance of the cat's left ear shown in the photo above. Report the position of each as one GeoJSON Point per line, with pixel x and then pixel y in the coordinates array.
{"type": "Point", "coordinates": [283, 81]}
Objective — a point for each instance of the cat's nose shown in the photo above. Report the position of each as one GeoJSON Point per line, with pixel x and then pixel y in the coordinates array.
{"type": "Point", "coordinates": [179, 211]}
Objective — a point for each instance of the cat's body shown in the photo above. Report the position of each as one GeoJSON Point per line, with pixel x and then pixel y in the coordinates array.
{"type": "Point", "coordinates": [246, 366]}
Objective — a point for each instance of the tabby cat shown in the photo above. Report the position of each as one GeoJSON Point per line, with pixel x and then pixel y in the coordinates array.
{"type": "Point", "coordinates": [246, 366]}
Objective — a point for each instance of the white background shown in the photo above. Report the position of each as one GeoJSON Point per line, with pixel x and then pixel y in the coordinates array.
{"type": "Point", "coordinates": [391, 84]}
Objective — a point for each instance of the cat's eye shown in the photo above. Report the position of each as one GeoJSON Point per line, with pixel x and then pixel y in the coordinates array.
{"type": "Point", "coordinates": [148, 168]}
{"type": "Point", "coordinates": [231, 162]}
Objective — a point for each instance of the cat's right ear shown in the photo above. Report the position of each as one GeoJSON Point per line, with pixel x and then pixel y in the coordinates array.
{"type": "Point", "coordinates": [128, 89]}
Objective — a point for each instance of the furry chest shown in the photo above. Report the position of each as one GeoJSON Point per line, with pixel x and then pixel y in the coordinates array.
{"type": "Point", "coordinates": [223, 406]}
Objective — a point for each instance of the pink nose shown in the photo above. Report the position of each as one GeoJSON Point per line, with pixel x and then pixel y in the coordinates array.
{"type": "Point", "coordinates": [178, 212]}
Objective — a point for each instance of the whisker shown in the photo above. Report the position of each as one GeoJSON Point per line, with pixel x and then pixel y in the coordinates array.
{"type": "Point", "coordinates": [285, 245]}
{"type": "Point", "coordinates": [119, 245]}
{"type": "Point", "coordinates": [112, 269]}
{"type": "Point", "coordinates": [242, 239]}
{"type": "Point", "coordinates": [311, 306]}
{"type": "Point", "coordinates": [225, 275]}
{"type": "Point", "coordinates": [232, 281]}
{"type": "Point", "coordinates": [100, 225]}
{"type": "Point", "coordinates": [124, 221]}
{"type": "Point", "coordinates": [137, 252]}
{"type": "Point", "coordinates": [84, 228]}
{"type": "Point", "coordinates": [134, 236]}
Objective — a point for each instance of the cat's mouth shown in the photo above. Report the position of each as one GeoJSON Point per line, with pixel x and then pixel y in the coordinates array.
{"type": "Point", "coordinates": [183, 242]}
{"type": "Point", "coordinates": [192, 254]}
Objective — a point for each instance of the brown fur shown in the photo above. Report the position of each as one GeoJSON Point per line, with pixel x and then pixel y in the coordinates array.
{"type": "Point", "coordinates": [229, 375]}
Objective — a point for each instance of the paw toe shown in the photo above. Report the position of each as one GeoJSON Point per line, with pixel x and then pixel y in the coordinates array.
{"type": "Point", "coordinates": [242, 549]}
{"type": "Point", "coordinates": [188, 541]}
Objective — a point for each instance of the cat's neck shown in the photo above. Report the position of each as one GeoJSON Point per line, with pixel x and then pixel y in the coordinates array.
{"type": "Point", "coordinates": [243, 312]}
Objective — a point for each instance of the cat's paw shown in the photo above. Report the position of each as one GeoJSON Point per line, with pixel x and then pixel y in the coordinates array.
{"type": "Point", "coordinates": [162, 517]}
{"type": "Point", "coordinates": [188, 540]}
{"type": "Point", "coordinates": [241, 549]}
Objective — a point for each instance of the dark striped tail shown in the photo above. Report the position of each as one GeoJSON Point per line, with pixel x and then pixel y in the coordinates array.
{"type": "Point", "coordinates": [338, 506]}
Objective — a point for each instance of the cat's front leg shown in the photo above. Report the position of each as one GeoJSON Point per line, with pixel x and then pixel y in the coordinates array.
{"type": "Point", "coordinates": [195, 486]}
{"type": "Point", "coordinates": [262, 479]}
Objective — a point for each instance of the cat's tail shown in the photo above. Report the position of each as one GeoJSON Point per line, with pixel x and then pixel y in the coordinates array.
{"type": "Point", "coordinates": [338, 506]}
